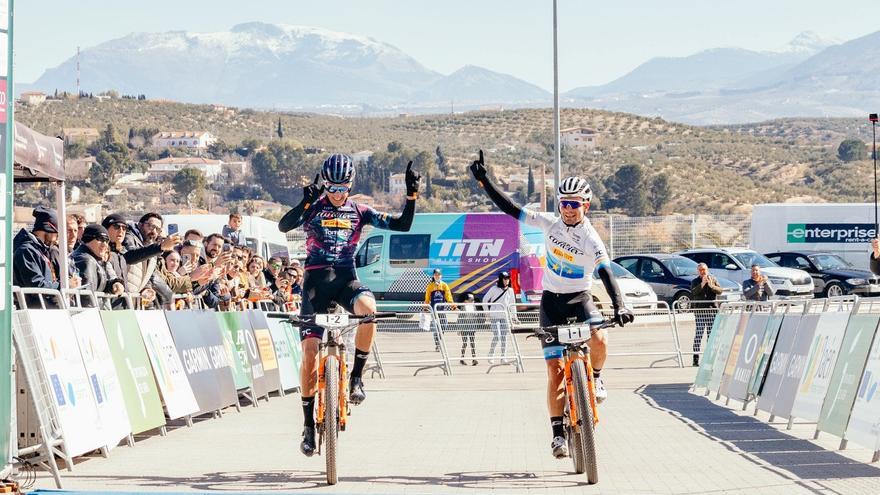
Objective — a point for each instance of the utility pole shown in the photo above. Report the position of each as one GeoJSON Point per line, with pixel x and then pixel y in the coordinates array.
{"type": "Point", "coordinates": [78, 91]}
{"type": "Point", "coordinates": [557, 157]}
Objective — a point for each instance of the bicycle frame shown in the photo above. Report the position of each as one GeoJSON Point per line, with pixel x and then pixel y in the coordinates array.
{"type": "Point", "coordinates": [580, 352]}
{"type": "Point", "coordinates": [332, 347]}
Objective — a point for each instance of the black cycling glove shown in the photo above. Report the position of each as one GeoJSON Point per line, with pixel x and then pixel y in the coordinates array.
{"type": "Point", "coordinates": [478, 168]}
{"type": "Point", "coordinates": [312, 192]}
{"type": "Point", "coordinates": [623, 316]}
{"type": "Point", "coordinates": [412, 180]}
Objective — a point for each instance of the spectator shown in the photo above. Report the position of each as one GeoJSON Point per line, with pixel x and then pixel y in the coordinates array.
{"type": "Point", "coordinates": [72, 232]}
{"type": "Point", "coordinates": [255, 272]}
{"type": "Point", "coordinates": [33, 264]}
{"type": "Point", "coordinates": [468, 324]}
{"type": "Point", "coordinates": [297, 281]}
{"type": "Point", "coordinates": [191, 256]}
{"type": "Point", "coordinates": [436, 293]}
{"type": "Point", "coordinates": [271, 272]}
{"type": "Point", "coordinates": [215, 293]}
{"type": "Point", "coordinates": [193, 235]}
{"type": "Point", "coordinates": [875, 256]}
{"type": "Point", "coordinates": [91, 261]}
{"type": "Point", "coordinates": [499, 297]}
{"type": "Point", "coordinates": [232, 230]}
{"type": "Point", "coordinates": [284, 295]}
{"type": "Point", "coordinates": [704, 291]}
{"type": "Point", "coordinates": [80, 228]}
{"type": "Point", "coordinates": [758, 288]}
{"type": "Point", "coordinates": [179, 284]}
{"type": "Point", "coordinates": [143, 277]}
{"type": "Point", "coordinates": [71, 228]}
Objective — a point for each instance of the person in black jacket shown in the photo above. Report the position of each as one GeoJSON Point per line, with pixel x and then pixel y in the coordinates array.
{"type": "Point", "coordinates": [91, 261]}
{"type": "Point", "coordinates": [142, 276]}
{"type": "Point", "coordinates": [34, 264]}
{"type": "Point", "coordinates": [875, 256]}
{"type": "Point", "coordinates": [704, 290]}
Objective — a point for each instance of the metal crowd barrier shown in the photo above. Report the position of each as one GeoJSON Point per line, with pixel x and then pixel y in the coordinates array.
{"type": "Point", "coordinates": [484, 331]}
{"type": "Point", "coordinates": [412, 338]}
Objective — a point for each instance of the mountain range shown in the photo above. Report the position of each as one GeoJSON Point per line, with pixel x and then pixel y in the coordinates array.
{"type": "Point", "coordinates": [264, 65]}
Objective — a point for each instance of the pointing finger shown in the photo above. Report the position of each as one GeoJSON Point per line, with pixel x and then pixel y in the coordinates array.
{"type": "Point", "coordinates": [316, 179]}
{"type": "Point", "coordinates": [409, 166]}
{"type": "Point", "coordinates": [481, 157]}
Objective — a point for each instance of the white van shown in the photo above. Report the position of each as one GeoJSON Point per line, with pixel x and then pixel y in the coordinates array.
{"type": "Point", "coordinates": [260, 234]}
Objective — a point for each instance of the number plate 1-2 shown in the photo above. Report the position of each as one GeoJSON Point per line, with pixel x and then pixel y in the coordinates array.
{"type": "Point", "coordinates": [333, 320]}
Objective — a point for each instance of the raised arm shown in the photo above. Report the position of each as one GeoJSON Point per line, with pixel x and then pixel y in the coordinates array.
{"type": "Point", "coordinates": [402, 222]}
{"type": "Point", "coordinates": [501, 200]}
{"type": "Point", "coordinates": [297, 216]}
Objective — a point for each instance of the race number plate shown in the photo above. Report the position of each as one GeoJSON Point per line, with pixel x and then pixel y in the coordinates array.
{"type": "Point", "coordinates": [574, 334]}
{"type": "Point", "coordinates": [334, 320]}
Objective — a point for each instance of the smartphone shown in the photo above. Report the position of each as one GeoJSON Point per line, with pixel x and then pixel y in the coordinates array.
{"type": "Point", "coordinates": [172, 228]}
{"type": "Point", "coordinates": [185, 259]}
{"type": "Point", "coordinates": [227, 247]}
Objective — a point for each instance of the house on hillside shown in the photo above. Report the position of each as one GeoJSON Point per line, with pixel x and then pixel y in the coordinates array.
{"type": "Point", "coordinates": [78, 168]}
{"type": "Point", "coordinates": [165, 168]}
{"type": "Point", "coordinates": [84, 135]}
{"type": "Point", "coordinates": [397, 184]}
{"type": "Point", "coordinates": [192, 140]}
{"type": "Point", "coordinates": [579, 137]}
{"type": "Point", "coordinates": [33, 98]}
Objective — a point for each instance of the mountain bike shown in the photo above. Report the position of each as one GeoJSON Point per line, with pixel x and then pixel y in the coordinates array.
{"type": "Point", "coordinates": [580, 415]}
{"type": "Point", "coordinates": [332, 397]}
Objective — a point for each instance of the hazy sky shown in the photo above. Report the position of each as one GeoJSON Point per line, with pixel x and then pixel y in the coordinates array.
{"type": "Point", "coordinates": [598, 41]}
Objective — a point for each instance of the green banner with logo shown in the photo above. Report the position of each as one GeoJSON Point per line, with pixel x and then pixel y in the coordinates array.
{"type": "Point", "coordinates": [6, 126]}
{"type": "Point", "coordinates": [235, 342]}
{"type": "Point", "coordinates": [847, 373]}
{"type": "Point", "coordinates": [136, 379]}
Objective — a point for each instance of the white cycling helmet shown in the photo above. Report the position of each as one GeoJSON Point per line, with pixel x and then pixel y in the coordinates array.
{"type": "Point", "coordinates": [575, 186]}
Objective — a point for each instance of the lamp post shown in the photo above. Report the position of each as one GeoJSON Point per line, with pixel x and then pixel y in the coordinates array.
{"type": "Point", "coordinates": [557, 157]}
{"type": "Point", "coordinates": [873, 118]}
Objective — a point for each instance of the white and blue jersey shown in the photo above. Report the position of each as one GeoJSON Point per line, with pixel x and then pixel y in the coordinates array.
{"type": "Point", "coordinates": [573, 252]}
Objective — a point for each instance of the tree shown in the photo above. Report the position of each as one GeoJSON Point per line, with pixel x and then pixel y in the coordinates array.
{"type": "Point", "coordinates": [851, 150]}
{"type": "Point", "coordinates": [103, 172]}
{"type": "Point", "coordinates": [442, 164]}
{"type": "Point", "coordinates": [217, 149]}
{"type": "Point", "coordinates": [626, 190]}
{"type": "Point", "coordinates": [530, 185]}
{"type": "Point", "coordinates": [429, 189]}
{"type": "Point", "coordinates": [189, 181]}
{"type": "Point", "coordinates": [280, 132]}
{"type": "Point", "coordinates": [660, 193]}
{"type": "Point", "coordinates": [394, 146]}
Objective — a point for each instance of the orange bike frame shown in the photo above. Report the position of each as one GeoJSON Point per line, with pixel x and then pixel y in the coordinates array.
{"type": "Point", "coordinates": [342, 414]}
{"type": "Point", "coordinates": [570, 357]}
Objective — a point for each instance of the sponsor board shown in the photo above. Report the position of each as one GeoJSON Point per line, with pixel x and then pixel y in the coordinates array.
{"type": "Point", "coordinates": [814, 383]}
{"type": "Point", "coordinates": [233, 341]}
{"type": "Point", "coordinates": [749, 350]}
{"type": "Point", "coordinates": [265, 348]}
{"type": "Point", "coordinates": [173, 384]}
{"type": "Point", "coordinates": [288, 370]}
{"type": "Point", "coordinates": [797, 365]}
{"type": "Point", "coordinates": [779, 359]}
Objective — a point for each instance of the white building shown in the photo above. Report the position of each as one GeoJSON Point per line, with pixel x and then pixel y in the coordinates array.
{"type": "Point", "coordinates": [198, 140]}
{"type": "Point", "coordinates": [579, 137]}
{"type": "Point", "coordinates": [33, 98]}
{"type": "Point", "coordinates": [397, 184]}
{"type": "Point", "coordinates": [171, 165]}
{"type": "Point", "coordinates": [84, 135]}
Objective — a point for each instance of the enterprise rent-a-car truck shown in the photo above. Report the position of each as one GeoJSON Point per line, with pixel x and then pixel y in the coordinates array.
{"type": "Point", "coordinates": [469, 248]}
{"type": "Point", "coordinates": [845, 229]}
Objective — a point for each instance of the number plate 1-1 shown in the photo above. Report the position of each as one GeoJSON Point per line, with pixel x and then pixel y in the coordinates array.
{"type": "Point", "coordinates": [334, 320]}
{"type": "Point", "coordinates": [574, 334]}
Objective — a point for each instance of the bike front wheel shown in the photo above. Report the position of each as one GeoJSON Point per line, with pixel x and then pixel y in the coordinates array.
{"type": "Point", "coordinates": [575, 448]}
{"type": "Point", "coordinates": [585, 425]}
{"type": "Point", "coordinates": [331, 416]}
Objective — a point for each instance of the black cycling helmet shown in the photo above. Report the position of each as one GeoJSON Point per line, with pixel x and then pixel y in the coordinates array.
{"type": "Point", "coordinates": [338, 169]}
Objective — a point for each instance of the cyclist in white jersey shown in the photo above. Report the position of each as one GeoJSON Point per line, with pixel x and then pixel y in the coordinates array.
{"type": "Point", "coordinates": [574, 250]}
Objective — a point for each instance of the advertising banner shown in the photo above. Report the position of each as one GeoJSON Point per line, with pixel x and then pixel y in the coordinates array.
{"type": "Point", "coordinates": [847, 374]}
{"type": "Point", "coordinates": [235, 342]}
{"type": "Point", "coordinates": [753, 337]}
{"type": "Point", "coordinates": [266, 348]}
{"type": "Point", "coordinates": [778, 361]}
{"type": "Point", "coordinates": [728, 332]}
{"type": "Point", "coordinates": [206, 359]}
{"type": "Point", "coordinates": [288, 370]}
{"type": "Point", "coordinates": [764, 353]}
{"type": "Point", "coordinates": [133, 368]}
{"type": "Point", "coordinates": [170, 376]}
{"type": "Point", "coordinates": [248, 341]}
{"type": "Point", "coordinates": [98, 361]}
{"type": "Point", "coordinates": [70, 386]}
{"type": "Point", "coordinates": [820, 364]}
{"type": "Point", "coordinates": [864, 422]}
{"type": "Point", "coordinates": [711, 349]}
{"type": "Point", "coordinates": [797, 365]}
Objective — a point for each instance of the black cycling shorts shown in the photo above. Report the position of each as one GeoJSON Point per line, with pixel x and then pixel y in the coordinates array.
{"type": "Point", "coordinates": [324, 286]}
{"type": "Point", "coordinates": [561, 309]}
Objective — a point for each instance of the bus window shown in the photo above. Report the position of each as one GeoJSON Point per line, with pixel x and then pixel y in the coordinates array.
{"type": "Point", "coordinates": [410, 250]}
{"type": "Point", "coordinates": [370, 252]}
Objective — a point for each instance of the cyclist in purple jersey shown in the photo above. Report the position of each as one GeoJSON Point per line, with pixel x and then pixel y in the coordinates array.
{"type": "Point", "coordinates": [333, 225]}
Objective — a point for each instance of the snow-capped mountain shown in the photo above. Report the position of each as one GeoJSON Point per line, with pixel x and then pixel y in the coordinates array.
{"type": "Point", "coordinates": [264, 65]}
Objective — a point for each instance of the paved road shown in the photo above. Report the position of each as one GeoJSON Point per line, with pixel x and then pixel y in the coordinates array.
{"type": "Point", "coordinates": [472, 433]}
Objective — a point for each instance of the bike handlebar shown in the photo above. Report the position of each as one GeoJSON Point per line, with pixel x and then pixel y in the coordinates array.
{"type": "Point", "coordinates": [543, 331]}
{"type": "Point", "coordinates": [298, 320]}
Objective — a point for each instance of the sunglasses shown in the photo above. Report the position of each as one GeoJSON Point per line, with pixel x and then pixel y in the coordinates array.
{"type": "Point", "coordinates": [103, 238]}
{"type": "Point", "coordinates": [120, 226]}
{"type": "Point", "coordinates": [571, 203]}
{"type": "Point", "coordinates": [335, 188]}
{"type": "Point", "coordinates": [275, 265]}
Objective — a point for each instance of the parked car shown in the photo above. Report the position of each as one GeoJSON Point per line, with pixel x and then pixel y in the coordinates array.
{"type": "Point", "coordinates": [670, 276]}
{"type": "Point", "coordinates": [636, 294]}
{"type": "Point", "coordinates": [832, 275]}
{"type": "Point", "coordinates": [736, 264]}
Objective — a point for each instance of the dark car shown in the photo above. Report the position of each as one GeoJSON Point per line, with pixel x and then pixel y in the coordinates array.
{"type": "Point", "coordinates": [670, 276]}
{"type": "Point", "coordinates": [832, 275]}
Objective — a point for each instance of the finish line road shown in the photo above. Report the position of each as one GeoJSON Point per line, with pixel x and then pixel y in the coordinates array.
{"type": "Point", "coordinates": [473, 432]}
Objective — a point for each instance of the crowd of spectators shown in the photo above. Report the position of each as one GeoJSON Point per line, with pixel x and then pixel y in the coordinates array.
{"type": "Point", "coordinates": [121, 256]}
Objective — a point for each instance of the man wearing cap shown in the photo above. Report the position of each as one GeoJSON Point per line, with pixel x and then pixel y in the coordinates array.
{"type": "Point", "coordinates": [91, 261]}
{"type": "Point", "coordinates": [33, 264]}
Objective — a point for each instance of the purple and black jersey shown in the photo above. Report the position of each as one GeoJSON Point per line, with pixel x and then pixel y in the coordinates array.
{"type": "Point", "coordinates": [332, 233]}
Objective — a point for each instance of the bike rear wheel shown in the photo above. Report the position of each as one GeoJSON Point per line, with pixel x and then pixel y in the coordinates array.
{"type": "Point", "coordinates": [585, 424]}
{"type": "Point", "coordinates": [331, 416]}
